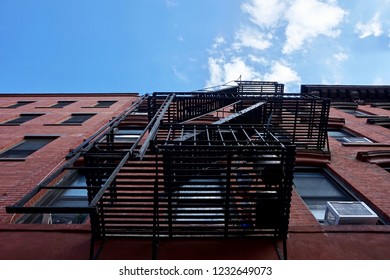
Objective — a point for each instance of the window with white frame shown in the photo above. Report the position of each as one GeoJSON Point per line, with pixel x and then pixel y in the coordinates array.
{"type": "Point", "coordinates": [344, 136]}
{"type": "Point", "coordinates": [316, 187]}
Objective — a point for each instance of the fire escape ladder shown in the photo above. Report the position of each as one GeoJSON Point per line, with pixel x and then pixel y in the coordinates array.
{"type": "Point", "coordinates": [155, 172]}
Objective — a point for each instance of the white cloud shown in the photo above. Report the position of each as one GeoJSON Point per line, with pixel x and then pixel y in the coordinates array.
{"type": "Point", "coordinates": [308, 19]}
{"type": "Point", "coordinates": [237, 67]}
{"type": "Point", "coordinates": [264, 13]}
{"type": "Point", "coordinates": [341, 56]}
{"type": "Point", "coordinates": [222, 71]}
{"type": "Point", "coordinates": [282, 73]}
{"type": "Point", "coordinates": [257, 59]}
{"type": "Point", "coordinates": [256, 42]}
{"type": "Point", "coordinates": [216, 72]}
{"type": "Point", "coordinates": [218, 41]}
{"type": "Point", "coordinates": [372, 28]}
{"type": "Point", "coordinates": [252, 38]}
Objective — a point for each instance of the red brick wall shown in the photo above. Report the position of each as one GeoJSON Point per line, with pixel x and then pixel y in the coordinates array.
{"type": "Point", "coordinates": [370, 181]}
{"type": "Point", "coordinates": [19, 177]}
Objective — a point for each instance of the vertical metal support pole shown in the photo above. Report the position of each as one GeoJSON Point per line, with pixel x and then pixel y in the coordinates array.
{"type": "Point", "coordinates": [227, 198]}
{"type": "Point", "coordinates": [288, 182]}
{"type": "Point", "coordinates": [168, 165]}
{"type": "Point", "coordinates": [312, 120]}
{"type": "Point", "coordinates": [155, 240]}
{"type": "Point", "coordinates": [324, 125]}
{"type": "Point", "coordinates": [94, 232]}
{"type": "Point", "coordinates": [102, 220]}
{"type": "Point", "coordinates": [296, 120]}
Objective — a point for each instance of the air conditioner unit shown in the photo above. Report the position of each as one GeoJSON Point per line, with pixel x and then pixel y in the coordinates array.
{"type": "Point", "coordinates": [349, 212]}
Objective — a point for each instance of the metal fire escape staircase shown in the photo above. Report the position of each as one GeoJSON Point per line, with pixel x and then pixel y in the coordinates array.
{"type": "Point", "coordinates": [161, 169]}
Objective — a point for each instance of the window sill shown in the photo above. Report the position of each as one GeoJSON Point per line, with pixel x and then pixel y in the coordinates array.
{"type": "Point", "coordinates": [9, 124]}
{"type": "Point", "coordinates": [370, 116]}
{"type": "Point", "coordinates": [48, 107]}
{"type": "Point", "coordinates": [95, 107]}
{"type": "Point", "coordinates": [366, 144]}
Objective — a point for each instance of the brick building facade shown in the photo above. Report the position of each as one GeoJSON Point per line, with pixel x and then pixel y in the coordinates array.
{"type": "Point", "coordinates": [352, 166]}
{"type": "Point", "coordinates": [45, 115]}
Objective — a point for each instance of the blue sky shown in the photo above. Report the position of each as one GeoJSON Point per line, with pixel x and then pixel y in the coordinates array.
{"type": "Point", "coordinates": [183, 45]}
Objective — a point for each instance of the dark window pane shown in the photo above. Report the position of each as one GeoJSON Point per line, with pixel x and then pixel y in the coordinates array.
{"type": "Point", "coordinates": [316, 185]}
{"type": "Point", "coordinates": [63, 198]}
{"type": "Point", "coordinates": [78, 118]}
{"type": "Point", "coordinates": [23, 118]}
{"type": "Point", "coordinates": [70, 198]}
{"type": "Point", "coordinates": [356, 112]}
{"type": "Point", "coordinates": [339, 133]}
{"type": "Point", "coordinates": [26, 148]}
{"type": "Point", "coordinates": [316, 189]}
{"type": "Point", "coordinates": [20, 103]}
{"type": "Point", "coordinates": [62, 104]}
{"type": "Point", "coordinates": [104, 104]}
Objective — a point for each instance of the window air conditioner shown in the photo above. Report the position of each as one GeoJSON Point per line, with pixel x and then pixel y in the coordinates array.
{"type": "Point", "coordinates": [349, 212]}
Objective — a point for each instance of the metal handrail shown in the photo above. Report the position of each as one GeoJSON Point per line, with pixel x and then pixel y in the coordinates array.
{"type": "Point", "coordinates": [113, 123]}
{"type": "Point", "coordinates": [156, 123]}
{"type": "Point", "coordinates": [110, 179]}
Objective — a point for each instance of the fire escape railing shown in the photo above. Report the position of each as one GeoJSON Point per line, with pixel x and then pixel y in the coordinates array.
{"type": "Point", "coordinates": [223, 180]}
{"type": "Point", "coordinates": [87, 144]}
{"type": "Point", "coordinates": [73, 157]}
{"type": "Point", "coordinates": [155, 123]}
{"type": "Point", "coordinates": [148, 187]}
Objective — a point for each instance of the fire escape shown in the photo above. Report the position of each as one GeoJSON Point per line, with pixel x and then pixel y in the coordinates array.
{"type": "Point", "coordinates": [194, 164]}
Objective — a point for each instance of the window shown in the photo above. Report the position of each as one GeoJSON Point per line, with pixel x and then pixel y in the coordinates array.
{"type": "Point", "coordinates": [316, 187]}
{"type": "Point", "coordinates": [104, 104]}
{"type": "Point", "coordinates": [22, 119]}
{"type": "Point", "coordinates": [347, 137]}
{"type": "Point", "coordinates": [127, 135]}
{"type": "Point", "coordinates": [69, 197]}
{"type": "Point", "coordinates": [78, 118]}
{"type": "Point", "coordinates": [62, 104]}
{"type": "Point", "coordinates": [19, 104]}
{"type": "Point", "coordinates": [356, 112]}
{"type": "Point", "coordinates": [28, 146]}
